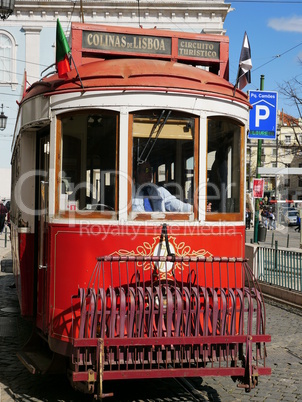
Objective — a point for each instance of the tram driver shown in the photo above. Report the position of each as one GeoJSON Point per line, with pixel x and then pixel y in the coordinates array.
{"type": "Point", "coordinates": [149, 197]}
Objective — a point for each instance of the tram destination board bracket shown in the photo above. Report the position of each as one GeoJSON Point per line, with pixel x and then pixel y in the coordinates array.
{"type": "Point", "coordinates": [95, 41]}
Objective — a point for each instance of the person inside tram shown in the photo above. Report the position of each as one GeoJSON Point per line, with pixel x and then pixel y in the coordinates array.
{"type": "Point", "coordinates": [217, 182]}
{"type": "Point", "coordinates": [149, 197]}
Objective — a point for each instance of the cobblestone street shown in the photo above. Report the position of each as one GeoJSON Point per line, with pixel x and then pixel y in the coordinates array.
{"type": "Point", "coordinates": [17, 384]}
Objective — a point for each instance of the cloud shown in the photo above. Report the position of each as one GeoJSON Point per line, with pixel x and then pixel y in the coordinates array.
{"type": "Point", "coordinates": [286, 24]}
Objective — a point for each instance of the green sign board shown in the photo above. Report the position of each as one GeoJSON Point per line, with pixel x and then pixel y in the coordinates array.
{"type": "Point", "coordinates": [148, 44]}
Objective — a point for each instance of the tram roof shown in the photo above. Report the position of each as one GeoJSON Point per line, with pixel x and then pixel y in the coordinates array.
{"type": "Point", "coordinates": [137, 59]}
{"type": "Point", "coordinates": [133, 74]}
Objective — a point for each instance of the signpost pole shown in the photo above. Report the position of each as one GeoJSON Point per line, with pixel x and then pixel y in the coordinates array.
{"type": "Point", "coordinates": [259, 154]}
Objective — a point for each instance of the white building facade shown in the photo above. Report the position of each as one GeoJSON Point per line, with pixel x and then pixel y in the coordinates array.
{"type": "Point", "coordinates": [28, 36]}
{"type": "Point", "coordinates": [281, 160]}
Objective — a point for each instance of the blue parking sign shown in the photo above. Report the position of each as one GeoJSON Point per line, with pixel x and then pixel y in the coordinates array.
{"type": "Point", "coordinates": [263, 115]}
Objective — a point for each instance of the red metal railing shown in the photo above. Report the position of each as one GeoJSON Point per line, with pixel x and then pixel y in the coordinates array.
{"type": "Point", "coordinates": [168, 317]}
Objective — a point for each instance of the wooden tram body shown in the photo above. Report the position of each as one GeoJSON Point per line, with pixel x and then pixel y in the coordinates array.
{"type": "Point", "coordinates": [117, 291]}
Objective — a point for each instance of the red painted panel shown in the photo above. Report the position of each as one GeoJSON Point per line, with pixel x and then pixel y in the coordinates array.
{"type": "Point", "coordinates": [26, 273]}
{"type": "Point", "coordinates": [75, 249]}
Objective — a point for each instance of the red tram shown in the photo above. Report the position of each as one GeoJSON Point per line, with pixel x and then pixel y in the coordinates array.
{"type": "Point", "coordinates": [127, 215]}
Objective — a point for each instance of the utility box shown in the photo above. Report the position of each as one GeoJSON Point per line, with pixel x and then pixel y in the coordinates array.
{"type": "Point", "coordinates": [261, 232]}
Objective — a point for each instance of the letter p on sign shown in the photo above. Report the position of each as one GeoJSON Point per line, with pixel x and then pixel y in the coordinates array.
{"type": "Point", "coordinates": [261, 113]}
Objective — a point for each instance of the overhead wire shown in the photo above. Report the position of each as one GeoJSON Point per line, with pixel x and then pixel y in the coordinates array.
{"type": "Point", "coordinates": [275, 57]}
{"type": "Point", "coordinates": [278, 56]}
{"type": "Point", "coordinates": [183, 28]}
{"type": "Point", "coordinates": [23, 61]}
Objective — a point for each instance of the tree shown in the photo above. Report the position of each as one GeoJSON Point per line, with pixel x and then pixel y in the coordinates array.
{"type": "Point", "coordinates": [292, 90]}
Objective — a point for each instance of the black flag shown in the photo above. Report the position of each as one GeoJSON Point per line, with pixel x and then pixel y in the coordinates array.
{"type": "Point", "coordinates": [245, 65]}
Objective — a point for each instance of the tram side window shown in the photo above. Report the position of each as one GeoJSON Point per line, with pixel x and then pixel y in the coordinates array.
{"type": "Point", "coordinates": [163, 162]}
{"type": "Point", "coordinates": [88, 175]}
{"type": "Point", "coordinates": [223, 166]}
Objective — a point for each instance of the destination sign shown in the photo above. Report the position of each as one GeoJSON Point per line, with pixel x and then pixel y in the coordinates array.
{"type": "Point", "coordinates": [147, 44]}
{"type": "Point", "coordinates": [126, 43]}
{"type": "Point", "coordinates": [198, 48]}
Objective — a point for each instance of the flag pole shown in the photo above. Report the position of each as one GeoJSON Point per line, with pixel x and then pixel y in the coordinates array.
{"type": "Point", "coordinates": [77, 71]}
{"type": "Point", "coordinates": [235, 86]}
{"type": "Point", "coordinates": [237, 81]}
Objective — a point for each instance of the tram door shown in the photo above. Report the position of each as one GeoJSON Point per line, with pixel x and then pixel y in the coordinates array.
{"type": "Point", "coordinates": [42, 229]}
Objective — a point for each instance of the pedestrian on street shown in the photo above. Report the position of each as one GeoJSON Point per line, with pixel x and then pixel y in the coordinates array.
{"type": "Point", "coordinates": [3, 212]}
{"type": "Point", "coordinates": [265, 217]}
{"type": "Point", "coordinates": [272, 221]}
{"type": "Point", "coordinates": [248, 218]}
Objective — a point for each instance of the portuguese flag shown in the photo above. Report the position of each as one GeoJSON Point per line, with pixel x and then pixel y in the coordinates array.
{"type": "Point", "coordinates": [62, 51]}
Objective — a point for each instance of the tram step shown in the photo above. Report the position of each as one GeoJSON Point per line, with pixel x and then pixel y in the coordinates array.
{"type": "Point", "coordinates": [39, 359]}
{"type": "Point", "coordinates": [34, 361]}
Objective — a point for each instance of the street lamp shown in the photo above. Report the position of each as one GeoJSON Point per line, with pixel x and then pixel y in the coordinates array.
{"type": "Point", "coordinates": [3, 120]}
{"type": "Point", "coordinates": [6, 8]}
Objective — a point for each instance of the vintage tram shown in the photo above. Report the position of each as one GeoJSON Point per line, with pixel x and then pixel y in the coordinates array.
{"type": "Point", "coordinates": [127, 215]}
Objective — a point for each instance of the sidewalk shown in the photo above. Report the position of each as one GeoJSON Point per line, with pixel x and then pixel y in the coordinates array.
{"type": "Point", "coordinates": [14, 331]}
{"type": "Point", "coordinates": [284, 235]}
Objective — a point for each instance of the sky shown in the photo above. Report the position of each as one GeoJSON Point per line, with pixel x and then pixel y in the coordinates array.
{"type": "Point", "coordinates": [274, 29]}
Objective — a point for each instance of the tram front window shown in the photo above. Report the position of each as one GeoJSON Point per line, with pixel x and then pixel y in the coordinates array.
{"type": "Point", "coordinates": [224, 180]}
{"type": "Point", "coordinates": [88, 172]}
{"type": "Point", "coordinates": [163, 163]}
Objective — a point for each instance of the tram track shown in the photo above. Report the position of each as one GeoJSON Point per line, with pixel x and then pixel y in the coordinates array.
{"type": "Point", "coordinates": [190, 388]}
{"type": "Point", "coordinates": [284, 304]}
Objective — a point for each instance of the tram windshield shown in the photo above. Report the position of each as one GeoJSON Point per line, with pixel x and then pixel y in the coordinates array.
{"type": "Point", "coordinates": [164, 151]}
{"type": "Point", "coordinates": [163, 162]}
{"type": "Point", "coordinates": [88, 172]}
{"type": "Point", "coordinates": [223, 166]}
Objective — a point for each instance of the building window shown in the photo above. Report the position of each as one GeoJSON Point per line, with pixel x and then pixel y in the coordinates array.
{"type": "Point", "coordinates": [287, 139]}
{"type": "Point", "coordinates": [274, 152]}
{"type": "Point", "coordinates": [286, 182]}
{"type": "Point", "coordinates": [274, 164]}
{"type": "Point", "coordinates": [7, 60]}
